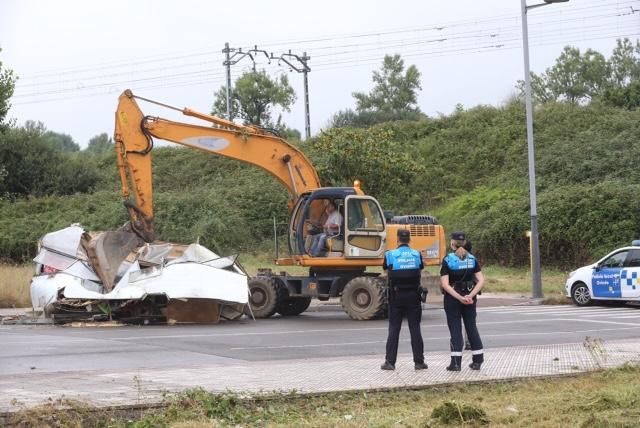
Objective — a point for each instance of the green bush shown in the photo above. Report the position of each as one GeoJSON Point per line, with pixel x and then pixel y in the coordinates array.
{"type": "Point", "coordinates": [32, 166]}
{"type": "Point", "coordinates": [577, 223]}
{"type": "Point", "coordinates": [469, 168]}
{"type": "Point", "coordinates": [24, 221]}
{"type": "Point", "coordinates": [225, 204]}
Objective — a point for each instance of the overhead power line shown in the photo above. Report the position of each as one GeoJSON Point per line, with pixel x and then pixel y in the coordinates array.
{"type": "Point", "coordinates": [618, 5]}
{"type": "Point", "coordinates": [428, 42]}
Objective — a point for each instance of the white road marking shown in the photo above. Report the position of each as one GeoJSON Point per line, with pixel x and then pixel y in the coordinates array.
{"type": "Point", "coordinates": [428, 338]}
{"type": "Point", "coordinates": [266, 333]}
{"type": "Point", "coordinates": [556, 319]}
{"type": "Point", "coordinates": [182, 336]}
{"type": "Point", "coordinates": [37, 340]}
{"type": "Point", "coordinates": [541, 309]}
{"type": "Point", "coordinates": [606, 315]}
{"type": "Point", "coordinates": [571, 312]}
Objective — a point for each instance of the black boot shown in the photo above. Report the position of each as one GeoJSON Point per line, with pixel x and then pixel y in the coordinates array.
{"type": "Point", "coordinates": [476, 362]}
{"type": "Point", "coordinates": [388, 366]}
{"type": "Point", "coordinates": [455, 364]}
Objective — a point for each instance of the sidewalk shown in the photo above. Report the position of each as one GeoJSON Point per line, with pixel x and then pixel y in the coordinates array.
{"type": "Point", "coordinates": [147, 386]}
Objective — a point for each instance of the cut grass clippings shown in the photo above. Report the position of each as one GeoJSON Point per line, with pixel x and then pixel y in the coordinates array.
{"type": "Point", "coordinates": [597, 399]}
{"type": "Point", "coordinates": [14, 286]}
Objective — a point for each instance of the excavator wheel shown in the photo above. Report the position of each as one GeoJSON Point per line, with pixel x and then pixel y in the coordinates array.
{"type": "Point", "coordinates": [265, 294]}
{"type": "Point", "coordinates": [363, 298]}
{"type": "Point", "coordinates": [293, 306]}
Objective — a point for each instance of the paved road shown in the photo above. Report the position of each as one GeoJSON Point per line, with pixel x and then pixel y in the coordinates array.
{"type": "Point", "coordinates": [325, 334]}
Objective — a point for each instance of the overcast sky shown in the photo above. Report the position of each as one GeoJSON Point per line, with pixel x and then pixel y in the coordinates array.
{"type": "Point", "coordinates": [75, 57]}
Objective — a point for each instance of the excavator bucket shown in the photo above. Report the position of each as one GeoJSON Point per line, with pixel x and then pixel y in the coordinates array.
{"type": "Point", "coordinates": [107, 251]}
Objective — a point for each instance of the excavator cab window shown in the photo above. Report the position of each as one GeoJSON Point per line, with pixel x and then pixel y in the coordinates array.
{"type": "Point", "coordinates": [365, 215]}
{"type": "Point", "coordinates": [296, 227]}
{"type": "Point", "coordinates": [365, 235]}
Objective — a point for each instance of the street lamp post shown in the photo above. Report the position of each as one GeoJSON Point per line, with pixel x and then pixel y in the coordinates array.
{"type": "Point", "coordinates": [536, 280]}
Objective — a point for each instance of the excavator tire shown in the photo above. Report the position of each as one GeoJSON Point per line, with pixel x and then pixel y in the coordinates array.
{"type": "Point", "coordinates": [292, 306]}
{"type": "Point", "coordinates": [264, 296]}
{"type": "Point", "coordinates": [363, 298]}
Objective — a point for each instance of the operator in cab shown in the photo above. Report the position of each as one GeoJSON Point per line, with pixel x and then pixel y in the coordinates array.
{"type": "Point", "coordinates": [462, 280]}
{"type": "Point", "coordinates": [403, 266]}
{"type": "Point", "coordinates": [331, 227]}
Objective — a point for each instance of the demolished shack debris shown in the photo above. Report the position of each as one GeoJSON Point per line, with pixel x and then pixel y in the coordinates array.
{"type": "Point", "coordinates": [111, 276]}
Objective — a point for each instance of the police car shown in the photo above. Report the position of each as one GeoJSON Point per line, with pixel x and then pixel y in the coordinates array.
{"type": "Point", "coordinates": [614, 277]}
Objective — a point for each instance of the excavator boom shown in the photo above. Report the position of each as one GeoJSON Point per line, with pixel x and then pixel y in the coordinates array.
{"type": "Point", "coordinates": [134, 133]}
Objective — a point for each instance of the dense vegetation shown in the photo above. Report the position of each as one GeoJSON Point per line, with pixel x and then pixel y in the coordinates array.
{"type": "Point", "coordinates": [469, 168]}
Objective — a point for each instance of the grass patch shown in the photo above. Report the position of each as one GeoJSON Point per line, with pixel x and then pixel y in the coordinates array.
{"type": "Point", "coordinates": [556, 299]}
{"type": "Point", "coordinates": [452, 412]}
{"type": "Point", "coordinates": [518, 280]}
{"type": "Point", "coordinates": [14, 286]}
{"type": "Point", "coordinates": [606, 398]}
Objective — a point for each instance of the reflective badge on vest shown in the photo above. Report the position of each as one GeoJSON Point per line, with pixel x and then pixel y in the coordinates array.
{"type": "Point", "coordinates": [455, 263]}
{"type": "Point", "coordinates": [403, 258]}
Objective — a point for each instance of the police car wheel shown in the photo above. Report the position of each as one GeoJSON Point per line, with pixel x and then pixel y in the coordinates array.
{"type": "Point", "coordinates": [580, 294]}
{"type": "Point", "coordinates": [363, 299]}
{"type": "Point", "coordinates": [265, 294]}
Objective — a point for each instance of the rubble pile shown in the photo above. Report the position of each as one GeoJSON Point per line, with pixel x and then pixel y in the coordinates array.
{"type": "Point", "coordinates": [114, 275]}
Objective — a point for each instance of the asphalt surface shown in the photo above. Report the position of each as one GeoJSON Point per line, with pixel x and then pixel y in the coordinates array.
{"type": "Point", "coordinates": [322, 334]}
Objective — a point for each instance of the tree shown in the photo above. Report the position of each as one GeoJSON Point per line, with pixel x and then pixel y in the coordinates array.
{"type": "Point", "coordinates": [625, 62]}
{"type": "Point", "coordinates": [393, 97]}
{"type": "Point", "coordinates": [624, 90]}
{"type": "Point", "coordinates": [60, 141]}
{"type": "Point", "coordinates": [100, 144]}
{"type": "Point", "coordinates": [579, 78]}
{"type": "Point", "coordinates": [34, 167]}
{"type": "Point", "coordinates": [254, 97]}
{"type": "Point", "coordinates": [627, 97]}
{"type": "Point", "coordinates": [395, 91]}
{"type": "Point", "coordinates": [7, 86]}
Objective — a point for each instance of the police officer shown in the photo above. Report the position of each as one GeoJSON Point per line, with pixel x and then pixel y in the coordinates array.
{"type": "Point", "coordinates": [462, 280]}
{"type": "Point", "coordinates": [403, 266]}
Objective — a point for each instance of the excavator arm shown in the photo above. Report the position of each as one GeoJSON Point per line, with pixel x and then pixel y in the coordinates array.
{"type": "Point", "coordinates": [134, 134]}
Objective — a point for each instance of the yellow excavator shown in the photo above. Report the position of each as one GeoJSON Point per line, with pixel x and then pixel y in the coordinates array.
{"type": "Point", "coordinates": [340, 270]}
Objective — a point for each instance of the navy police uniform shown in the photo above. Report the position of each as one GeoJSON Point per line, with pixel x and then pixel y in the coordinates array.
{"type": "Point", "coordinates": [461, 275]}
{"type": "Point", "coordinates": [403, 266]}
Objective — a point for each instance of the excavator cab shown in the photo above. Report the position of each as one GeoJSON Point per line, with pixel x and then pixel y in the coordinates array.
{"type": "Point", "coordinates": [362, 234]}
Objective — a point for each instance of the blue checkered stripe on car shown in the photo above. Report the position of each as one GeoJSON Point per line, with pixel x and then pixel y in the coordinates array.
{"type": "Point", "coordinates": [631, 281]}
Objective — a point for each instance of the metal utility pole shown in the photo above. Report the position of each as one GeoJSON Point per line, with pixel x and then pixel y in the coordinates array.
{"type": "Point", "coordinates": [230, 60]}
{"type": "Point", "coordinates": [536, 278]}
{"type": "Point", "coordinates": [227, 63]}
{"type": "Point", "coordinates": [303, 67]}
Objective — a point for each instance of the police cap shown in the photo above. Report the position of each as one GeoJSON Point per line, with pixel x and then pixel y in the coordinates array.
{"type": "Point", "coordinates": [458, 236]}
{"type": "Point", "coordinates": [404, 234]}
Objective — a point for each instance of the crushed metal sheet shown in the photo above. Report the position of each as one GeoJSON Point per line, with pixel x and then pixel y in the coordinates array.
{"type": "Point", "coordinates": [103, 276]}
